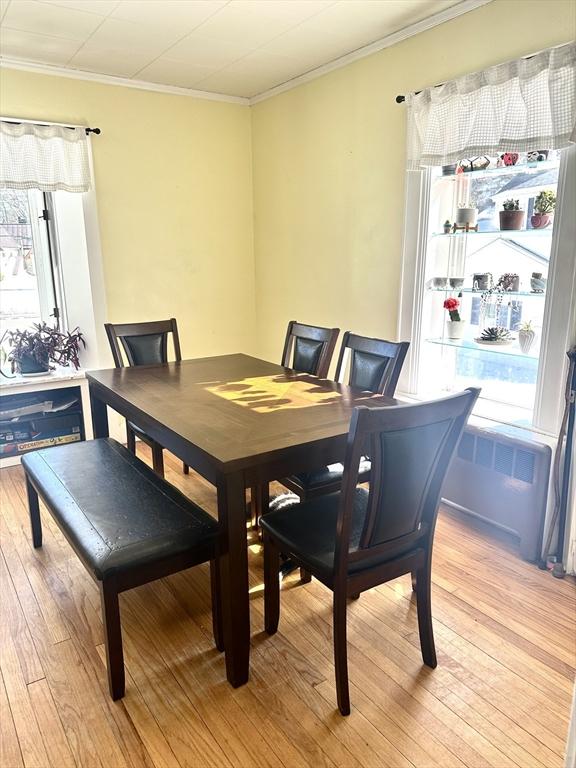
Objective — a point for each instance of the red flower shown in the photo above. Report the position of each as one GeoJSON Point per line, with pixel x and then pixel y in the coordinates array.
{"type": "Point", "coordinates": [451, 304]}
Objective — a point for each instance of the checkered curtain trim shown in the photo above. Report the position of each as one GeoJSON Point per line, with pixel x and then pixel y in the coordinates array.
{"type": "Point", "coordinates": [517, 106]}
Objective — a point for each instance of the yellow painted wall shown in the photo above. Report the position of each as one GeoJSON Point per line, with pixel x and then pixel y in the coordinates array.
{"type": "Point", "coordinates": [237, 219]}
{"type": "Point", "coordinates": [329, 160]}
{"type": "Point", "coordinates": [174, 194]}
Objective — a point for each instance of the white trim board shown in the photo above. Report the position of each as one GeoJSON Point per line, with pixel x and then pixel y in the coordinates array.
{"type": "Point", "coordinates": [125, 82]}
{"type": "Point", "coordinates": [385, 42]}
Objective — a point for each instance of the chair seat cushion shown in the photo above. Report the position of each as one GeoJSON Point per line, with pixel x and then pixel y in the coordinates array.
{"type": "Point", "coordinates": [114, 510]}
{"type": "Point", "coordinates": [307, 531]}
{"type": "Point", "coordinates": [333, 473]}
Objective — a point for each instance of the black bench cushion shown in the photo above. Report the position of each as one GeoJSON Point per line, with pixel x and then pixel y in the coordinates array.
{"type": "Point", "coordinates": [308, 531]}
{"type": "Point", "coordinates": [114, 510]}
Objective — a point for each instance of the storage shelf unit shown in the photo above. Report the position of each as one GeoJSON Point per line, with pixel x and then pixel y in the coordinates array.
{"type": "Point", "coordinates": [18, 435]}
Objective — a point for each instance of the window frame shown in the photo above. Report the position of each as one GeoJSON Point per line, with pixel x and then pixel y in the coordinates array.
{"type": "Point", "coordinates": [559, 320]}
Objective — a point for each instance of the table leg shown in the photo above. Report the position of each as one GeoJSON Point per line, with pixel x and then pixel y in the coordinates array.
{"type": "Point", "coordinates": [234, 577]}
{"type": "Point", "coordinates": [99, 416]}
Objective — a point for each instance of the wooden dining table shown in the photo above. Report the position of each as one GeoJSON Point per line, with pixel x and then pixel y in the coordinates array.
{"type": "Point", "coordinates": [240, 422]}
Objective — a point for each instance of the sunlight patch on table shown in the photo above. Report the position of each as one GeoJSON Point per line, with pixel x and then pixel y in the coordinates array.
{"type": "Point", "coordinates": [269, 393]}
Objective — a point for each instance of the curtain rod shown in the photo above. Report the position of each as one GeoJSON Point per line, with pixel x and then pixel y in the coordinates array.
{"type": "Point", "coordinates": [97, 131]}
{"type": "Point", "coordinates": [400, 98]}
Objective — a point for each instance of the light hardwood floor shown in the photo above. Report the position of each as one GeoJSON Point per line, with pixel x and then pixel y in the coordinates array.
{"type": "Point", "coordinates": [500, 696]}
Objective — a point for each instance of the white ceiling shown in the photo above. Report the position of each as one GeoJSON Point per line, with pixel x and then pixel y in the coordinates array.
{"type": "Point", "coordinates": [232, 47]}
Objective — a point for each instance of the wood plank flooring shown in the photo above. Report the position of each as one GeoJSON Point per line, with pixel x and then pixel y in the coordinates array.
{"type": "Point", "coordinates": [500, 696]}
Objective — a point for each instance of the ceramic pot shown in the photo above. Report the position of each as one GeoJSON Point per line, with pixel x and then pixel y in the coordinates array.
{"type": "Point", "coordinates": [481, 281]}
{"type": "Point", "coordinates": [455, 329]}
{"type": "Point", "coordinates": [467, 216]}
{"type": "Point", "coordinates": [540, 220]}
{"type": "Point", "coordinates": [537, 282]}
{"type": "Point", "coordinates": [526, 339]}
{"type": "Point", "coordinates": [30, 365]}
{"type": "Point", "coordinates": [511, 220]}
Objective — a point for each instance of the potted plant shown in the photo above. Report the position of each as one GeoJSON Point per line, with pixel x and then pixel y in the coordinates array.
{"type": "Point", "coordinates": [455, 325]}
{"type": "Point", "coordinates": [32, 351]}
{"type": "Point", "coordinates": [526, 336]}
{"type": "Point", "coordinates": [495, 335]}
{"type": "Point", "coordinates": [466, 215]}
{"type": "Point", "coordinates": [544, 205]}
{"type": "Point", "coordinates": [512, 217]}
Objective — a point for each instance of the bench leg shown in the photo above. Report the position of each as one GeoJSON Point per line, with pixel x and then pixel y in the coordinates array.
{"type": "Point", "coordinates": [158, 459]}
{"type": "Point", "coordinates": [130, 439]}
{"type": "Point", "coordinates": [216, 605]}
{"type": "Point", "coordinates": [34, 510]}
{"type": "Point", "coordinates": [112, 638]}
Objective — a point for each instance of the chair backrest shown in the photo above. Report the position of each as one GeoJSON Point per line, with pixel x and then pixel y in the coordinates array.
{"type": "Point", "coordinates": [374, 364]}
{"type": "Point", "coordinates": [308, 348]}
{"type": "Point", "coordinates": [410, 448]}
{"type": "Point", "coordinates": [142, 343]}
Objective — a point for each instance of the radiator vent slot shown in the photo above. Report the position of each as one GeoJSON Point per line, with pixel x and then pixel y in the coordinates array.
{"type": "Point", "coordinates": [524, 466]}
{"type": "Point", "coordinates": [504, 459]}
{"type": "Point", "coordinates": [484, 452]}
{"type": "Point", "coordinates": [466, 447]}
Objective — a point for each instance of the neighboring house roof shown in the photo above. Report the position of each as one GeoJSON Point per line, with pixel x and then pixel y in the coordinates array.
{"type": "Point", "coordinates": [527, 181]}
{"type": "Point", "coordinates": [516, 247]}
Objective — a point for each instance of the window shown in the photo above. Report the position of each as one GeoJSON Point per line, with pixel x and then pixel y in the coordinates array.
{"type": "Point", "coordinates": [503, 278]}
{"type": "Point", "coordinates": [30, 288]}
{"type": "Point", "coordinates": [497, 276]}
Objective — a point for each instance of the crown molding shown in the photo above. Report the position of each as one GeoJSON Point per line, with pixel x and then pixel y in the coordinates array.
{"type": "Point", "coordinates": [396, 37]}
{"type": "Point", "coordinates": [385, 42]}
{"type": "Point", "coordinates": [124, 82]}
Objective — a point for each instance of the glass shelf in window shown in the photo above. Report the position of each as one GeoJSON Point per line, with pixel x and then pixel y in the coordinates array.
{"type": "Point", "coordinates": [543, 165]}
{"type": "Point", "coordinates": [506, 234]}
{"type": "Point", "coordinates": [466, 345]}
{"type": "Point", "coordinates": [493, 295]}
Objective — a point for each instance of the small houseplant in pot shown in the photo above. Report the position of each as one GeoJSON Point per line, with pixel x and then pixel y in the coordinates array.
{"type": "Point", "coordinates": [455, 325]}
{"type": "Point", "coordinates": [544, 205]}
{"type": "Point", "coordinates": [526, 336]}
{"type": "Point", "coordinates": [495, 335]}
{"type": "Point", "coordinates": [466, 215]}
{"type": "Point", "coordinates": [512, 217]}
{"type": "Point", "coordinates": [33, 350]}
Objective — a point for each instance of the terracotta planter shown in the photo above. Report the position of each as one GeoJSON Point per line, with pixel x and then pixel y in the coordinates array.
{"type": "Point", "coordinates": [512, 220]}
{"type": "Point", "coordinates": [540, 220]}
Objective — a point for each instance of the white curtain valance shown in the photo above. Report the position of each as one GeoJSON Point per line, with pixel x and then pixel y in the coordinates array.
{"type": "Point", "coordinates": [46, 157]}
{"type": "Point", "coordinates": [517, 106]}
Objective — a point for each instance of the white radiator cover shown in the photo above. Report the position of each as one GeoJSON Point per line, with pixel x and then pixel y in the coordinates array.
{"type": "Point", "coordinates": [502, 479]}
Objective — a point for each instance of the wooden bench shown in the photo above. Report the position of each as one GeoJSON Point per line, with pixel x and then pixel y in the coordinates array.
{"type": "Point", "coordinates": [127, 525]}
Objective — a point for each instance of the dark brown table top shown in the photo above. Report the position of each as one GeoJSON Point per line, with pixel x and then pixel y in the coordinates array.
{"type": "Point", "coordinates": [234, 408]}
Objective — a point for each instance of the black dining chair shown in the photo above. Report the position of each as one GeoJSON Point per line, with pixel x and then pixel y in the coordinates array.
{"type": "Point", "coordinates": [307, 349]}
{"type": "Point", "coordinates": [372, 365]}
{"type": "Point", "coordinates": [356, 539]}
{"type": "Point", "coordinates": [144, 344]}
